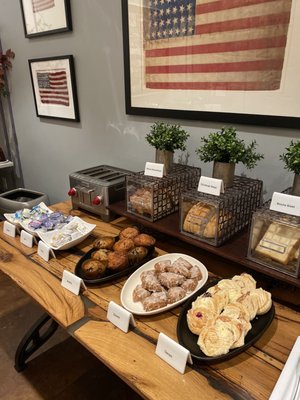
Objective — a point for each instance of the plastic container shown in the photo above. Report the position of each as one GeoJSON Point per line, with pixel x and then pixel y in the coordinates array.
{"type": "Point", "coordinates": [154, 198]}
{"type": "Point", "coordinates": [275, 241]}
{"type": "Point", "coordinates": [215, 219]}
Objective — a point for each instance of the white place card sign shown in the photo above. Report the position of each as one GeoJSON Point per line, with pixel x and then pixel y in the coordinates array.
{"type": "Point", "coordinates": [45, 251]}
{"type": "Point", "coordinates": [154, 169]}
{"type": "Point", "coordinates": [120, 317]}
{"type": "Point", "coordinates": [173, 353]}
{"type": "Point", "coordinates": [285, 203]}
{"type": "Point", "coordinates": [72, 282]}
{"type": "Point", "coordinates": [211, 185]}
{"type": "Point", "coordinates": [26, 238]}
{"type": "Point", "coordinates": [9, 229]}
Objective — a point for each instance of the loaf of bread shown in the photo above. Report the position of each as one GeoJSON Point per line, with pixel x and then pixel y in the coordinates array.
{"type": "Point", "coordinates": [201, 220]}
{"type": "Point", "coordinates": [280, 243]}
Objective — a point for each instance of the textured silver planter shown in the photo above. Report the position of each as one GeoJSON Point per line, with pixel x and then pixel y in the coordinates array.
{"type": "Point", "coordinates": [296, 185]}
{"type": "Point", "coordinates": [224, 171]}
{"type": "Point", "coordinates": [164, 157]}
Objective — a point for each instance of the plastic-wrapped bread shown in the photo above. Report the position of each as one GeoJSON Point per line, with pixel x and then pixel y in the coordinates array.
{"type": "Point", "coordinates": [280, 243]}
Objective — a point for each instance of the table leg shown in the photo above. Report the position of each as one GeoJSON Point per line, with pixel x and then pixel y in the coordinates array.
{"type": "Point", "coordinates": [33, 340]}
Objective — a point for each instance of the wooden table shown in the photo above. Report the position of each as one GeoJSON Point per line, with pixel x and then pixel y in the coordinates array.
{"type": "Point", "coordinates": [250, 375]}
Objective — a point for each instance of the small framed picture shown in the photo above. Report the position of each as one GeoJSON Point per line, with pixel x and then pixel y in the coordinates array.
{"type": "Point", "coordinates": [44, 17]}
{"type": "Point", "coordinates": [54, 87]}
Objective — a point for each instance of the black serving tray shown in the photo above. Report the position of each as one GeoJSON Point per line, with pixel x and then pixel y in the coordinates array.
{"type": "Point", "coordinates": [189, 340]}
{"type": "Point", "coordinates": [110, 275]}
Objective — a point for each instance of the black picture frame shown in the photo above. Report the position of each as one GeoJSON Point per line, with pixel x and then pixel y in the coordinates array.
{"type": "Point", "coordinates": [54, 87]}
{"type": "Point", "coordinates": [41, 21]}
{"type": "Point", "coordinates": [132, 108]}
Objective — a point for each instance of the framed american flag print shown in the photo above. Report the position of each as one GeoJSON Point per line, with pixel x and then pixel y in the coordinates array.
{"type": "Point", "coordinates": [54, 87]}
{"type": "Point", "coordinates": [44, 17]}
{"type": "Point", "coordinates": [234, 61]}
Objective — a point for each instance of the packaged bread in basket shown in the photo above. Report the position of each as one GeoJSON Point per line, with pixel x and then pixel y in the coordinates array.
{"type": "Point", "coordinates": [152, 198]}
{"type": "Point", "coordinates": [275, 241]}
{"type": "Point", "coordinates": [215, 219]}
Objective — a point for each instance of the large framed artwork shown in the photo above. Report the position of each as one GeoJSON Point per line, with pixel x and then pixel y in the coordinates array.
{"type": "Point", "coordinates": [44, 17]}
{"type": "Point", "coordinates": [54, 87]}
{"type": "Point", "coordinates": [232, 61]}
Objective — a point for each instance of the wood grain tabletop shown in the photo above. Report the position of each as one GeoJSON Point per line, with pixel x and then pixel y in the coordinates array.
{"type": "Point", "coordinates": [249, 375]}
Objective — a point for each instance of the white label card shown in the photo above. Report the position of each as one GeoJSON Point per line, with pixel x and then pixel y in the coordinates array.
{"type": "Point", "coordinates": [45, 251]}
{"type": "Point", "coordinates": [285, 203]}
{"type": "Point", "coordinates": [26, 238]}
{"type": "Point", "coordinates": [173, 353]}
{"type": "Point", "coordinates": [211, 185]}
{"type": "Point", "coordinates": [9, 229]}
{"type": "Point", "coordinates": [72, 282]}
{"type": "Point", "coordinates": [154, 169]}
{"type": "Point", "coordinates": [120, 317]}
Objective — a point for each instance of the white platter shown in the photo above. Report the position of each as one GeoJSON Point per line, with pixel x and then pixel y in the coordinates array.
{"type": "Point", "coordinates": [134, 280]}
{"type": "Point", "coordinates": [83, 231]}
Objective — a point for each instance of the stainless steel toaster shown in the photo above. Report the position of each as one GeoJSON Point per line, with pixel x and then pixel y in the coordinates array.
{"type": "Point", "coordinates": [93, 189]}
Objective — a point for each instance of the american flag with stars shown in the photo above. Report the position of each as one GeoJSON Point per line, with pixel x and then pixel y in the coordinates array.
{"type": "Point", "coordinates": [215, 44]}
{"type": "Point", "coordinates": [53, 88]}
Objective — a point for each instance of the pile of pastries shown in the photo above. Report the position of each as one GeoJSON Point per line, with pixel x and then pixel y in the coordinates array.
{"type": "Point", "coordinates": [167, 283]}
{"type": "Point", "coordinates": [114, 255]}
{"type": "Point", "coordinates": [222, 315]}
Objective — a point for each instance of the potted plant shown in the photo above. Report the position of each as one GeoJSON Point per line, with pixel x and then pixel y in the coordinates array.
{"type": "Point", "coordinates": [166, 138]}
{"type": "Point", "coordinates": [225, 149]}
{"type": "Point", "coordinates": [5, 64]}
{"type": "Point", "coordinates": [291, 160]}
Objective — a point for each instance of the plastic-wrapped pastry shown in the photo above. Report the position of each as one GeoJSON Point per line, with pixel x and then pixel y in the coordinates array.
{"type": "Point", "coordinates": [195, 273]}
{"type": "Point", "coordinates": [169, 279]}
{"type": "Point", "coordinates": [189, 285]}
{"type": "Point", "coordinates": [179, 269]}
{"type": "Point", "coordinates": [201, 220]}
{"type": "Point", "coordinates": [141, 201]}
{"type": "Point", "coordinates": [280, 243]}
{"type": "Point", "coordinates": [175, 294]}
{"type": "Point", "coordinates": [162, 266]}
{"type": "Point", "coordinates": [151, 283]}
{"type": "Point", "coordinates": [139, 293]}
{"type": "Point", "coordinates": [155, 301]}
{"type": "Point", "coordinates": [182, 262]}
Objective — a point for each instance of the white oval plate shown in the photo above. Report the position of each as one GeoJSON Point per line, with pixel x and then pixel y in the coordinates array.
{"type": "Point", "coordinates": [134, 280]}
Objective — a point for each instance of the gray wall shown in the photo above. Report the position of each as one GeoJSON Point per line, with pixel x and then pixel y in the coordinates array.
{"type": "Point", "coordinates": [51, 149]}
